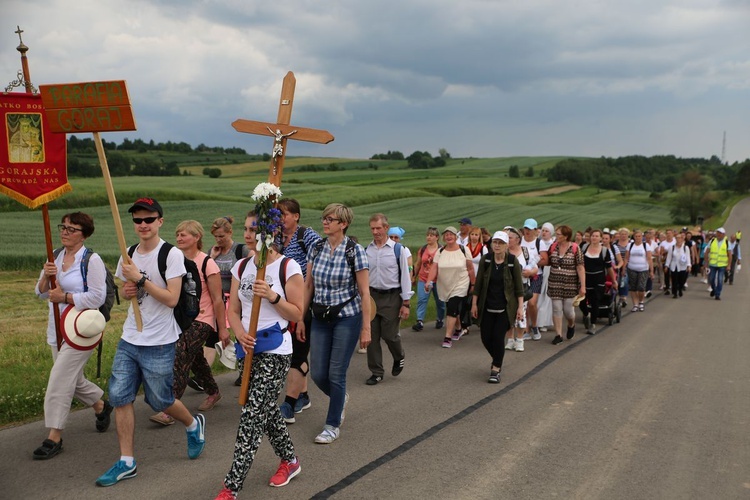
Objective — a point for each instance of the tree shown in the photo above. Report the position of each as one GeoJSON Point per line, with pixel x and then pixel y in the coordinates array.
{"type": "Point", "coordinates": [513, 171]}
{"type": "Point", "coordinates": [693, 197]}
{"type": "Point", "coordinates": [529, 172]}
{"type": "Point", "coordinates": [215, 173]}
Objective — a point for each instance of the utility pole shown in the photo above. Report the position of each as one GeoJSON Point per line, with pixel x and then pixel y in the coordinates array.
{"type": "Point", "coordinates": [724, 148]}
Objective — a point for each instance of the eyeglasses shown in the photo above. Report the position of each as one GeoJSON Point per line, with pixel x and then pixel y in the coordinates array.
{"type": "Point", "coordinates": [147, 220]}
{"type": "Point", "coordinates": [68, 229]}
{"type": "Point", "coordinates": [328, 220]}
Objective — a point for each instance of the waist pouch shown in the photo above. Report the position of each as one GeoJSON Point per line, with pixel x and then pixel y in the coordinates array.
{"type": "Point", "coordinates": [328, 313]}
{"type": "Point", "coordinates": [267, 339]}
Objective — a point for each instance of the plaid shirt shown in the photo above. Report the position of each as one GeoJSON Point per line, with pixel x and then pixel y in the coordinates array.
{"type": "Point", "coordinates": [332, 277]}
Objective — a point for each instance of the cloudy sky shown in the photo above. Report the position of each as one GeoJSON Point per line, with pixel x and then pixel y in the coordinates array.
{"type": "Point", "coordinates": [479, 78]}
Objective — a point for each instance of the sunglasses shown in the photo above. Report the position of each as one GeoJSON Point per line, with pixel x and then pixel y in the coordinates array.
{"type": "Point", "coordinates": [147, 220]}
{"type": "Point", "coordinates": [68, 229]}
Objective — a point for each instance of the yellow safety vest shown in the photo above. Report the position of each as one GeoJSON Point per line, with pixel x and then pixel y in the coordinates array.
{"type": "Point", "coordinates": [738, 234]}
{"type": "Point", "coordinates": [717, 257]}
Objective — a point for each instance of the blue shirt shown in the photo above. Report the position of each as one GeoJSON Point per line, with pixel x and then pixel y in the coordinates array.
{"type": "Point", "coordinates": [294, 250]}
{"type": "Point", "coordinates": [332, 277]}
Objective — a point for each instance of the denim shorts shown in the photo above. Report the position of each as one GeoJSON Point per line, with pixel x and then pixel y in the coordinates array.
{"type": "Point", "coordinates": [153, 366]}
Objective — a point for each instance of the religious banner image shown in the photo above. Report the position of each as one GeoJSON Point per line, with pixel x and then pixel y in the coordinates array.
{"type": "Point", "coordinates": [33, 163]}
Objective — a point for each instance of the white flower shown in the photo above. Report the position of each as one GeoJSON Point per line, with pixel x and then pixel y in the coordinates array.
{"type": "Point", "coordinates": [264, 191]}
{"type": "Point", "coordinates": [269, 240]}
{"type": "Point", "coordinates": [259, 245]}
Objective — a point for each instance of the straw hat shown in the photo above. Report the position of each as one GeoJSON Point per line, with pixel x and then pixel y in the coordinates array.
{"type": "Point", "coordinates": [82, 330]}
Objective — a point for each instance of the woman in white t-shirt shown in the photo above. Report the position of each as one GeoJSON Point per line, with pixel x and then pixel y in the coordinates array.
{"type": "Point", "coordinates": [639, 267]}
{"type": "Point", "coordinates": [281, 302]}
{"type": "Point", "coordinates": [518, 332]}
{"type": "Point", "coordinates": [455, 277]}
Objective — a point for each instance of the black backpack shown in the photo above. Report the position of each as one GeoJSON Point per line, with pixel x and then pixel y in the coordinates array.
{"type": "Point", "coordinates": [349, 253]}
{"type": "Point", "coordinates": [188, 305]}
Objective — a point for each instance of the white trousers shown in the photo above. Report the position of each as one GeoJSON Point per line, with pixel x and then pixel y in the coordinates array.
{"type": "Point", "coordinates": [66, 381]}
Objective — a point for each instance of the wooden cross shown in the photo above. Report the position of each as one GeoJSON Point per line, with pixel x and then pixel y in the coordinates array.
{"type": "Point", "coordinates": [281, 131]}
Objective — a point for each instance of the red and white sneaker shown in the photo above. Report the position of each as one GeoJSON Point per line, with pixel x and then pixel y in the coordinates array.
{"type": "Point", "coordinates": [287, 470]}
{"type": "Point", "coordinates": [226, 494]}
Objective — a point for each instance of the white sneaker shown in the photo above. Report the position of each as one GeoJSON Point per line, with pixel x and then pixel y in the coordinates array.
{"type": "Point", "coordinates": [543, 329]}
{"type": "Point", "coordinates": [518, 345]}
{"type": "Point", "coordinates": [704, 281]}
{"type": "Point", "coordinates": [328, 436]}
{"type": "Point", "coordinates": [509, 345]}
{"type": "Point", "coordinates": [536, 335]}
{"type": "Point", "coordinates": [526, 336]}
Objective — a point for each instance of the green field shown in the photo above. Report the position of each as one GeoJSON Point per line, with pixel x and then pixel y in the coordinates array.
{"type": "Point", "coordinates": [413, 199]}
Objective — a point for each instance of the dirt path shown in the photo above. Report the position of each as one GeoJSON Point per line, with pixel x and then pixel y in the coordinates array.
{"type": "Point", "coordinates": [544, 192]}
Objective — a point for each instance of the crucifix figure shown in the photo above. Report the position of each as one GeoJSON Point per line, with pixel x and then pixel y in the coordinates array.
{"type": "Point", "coordinates": [280, 131]}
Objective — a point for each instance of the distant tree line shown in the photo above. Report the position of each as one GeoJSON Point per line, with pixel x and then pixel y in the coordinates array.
{"type": "Point", "coordinates": [654, 174]}
{"type": "Point", "coordinates": [86, 145]}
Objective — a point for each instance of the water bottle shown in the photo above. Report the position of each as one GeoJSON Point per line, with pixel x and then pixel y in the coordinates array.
{"type": "Point", "coordinates": [193, 302]}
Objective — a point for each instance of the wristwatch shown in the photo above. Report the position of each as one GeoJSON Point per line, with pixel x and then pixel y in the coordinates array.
{"type": "Point", "coordinates": [141, 282]}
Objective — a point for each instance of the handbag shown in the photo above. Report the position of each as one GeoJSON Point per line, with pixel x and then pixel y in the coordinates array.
{"type": "Point", "coordinates": [528, 294]}
{"type": "Point", "coordinates": [328, 314]}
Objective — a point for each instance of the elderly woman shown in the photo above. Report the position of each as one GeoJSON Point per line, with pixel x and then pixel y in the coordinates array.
{"type": "Point", "coordinates": [66, 380]}
{"type": "Point", "coordinates": [189, 348]}
{"type": "Point", "coordinates": [226, 252]}
{"type": "Point", "coordinates": [678, 262]}
{"type": "Point", "coordinates": [297, 241]}
{"type": "Point", "coordinates": [528, 264]}
{"type": "Point", "coordinates": [544, 303]}
{"type": "Point", "coordinates": [425, 257]}
{"type": "Point", "coordinates": [454, 272]}
{"type": "Point", "coordinates": [282, 298]}
{"type": "Point", "coordinates": [337, 287]}
{"type": "Point", "coordinates": [621, 242]}
{"type": "Point", "coordinates": [497, 297]}
{"type": "Point", "coordinates": [567, 278]}
{"type": "Point", "coordinates": [640, 267]}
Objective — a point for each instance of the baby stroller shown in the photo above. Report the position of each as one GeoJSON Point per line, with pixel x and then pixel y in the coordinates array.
{"type": "Point", "coordinates": [610, 306]}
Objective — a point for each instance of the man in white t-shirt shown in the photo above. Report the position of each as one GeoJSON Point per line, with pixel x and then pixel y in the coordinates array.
{"type": "Point", "coordinates": [536, 248]}
{"type": "Point", "coordinates": [665, 248]}
{"type": "Point", "coordinates": [147, 356]}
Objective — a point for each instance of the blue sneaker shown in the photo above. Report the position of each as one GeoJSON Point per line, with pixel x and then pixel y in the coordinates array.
{"type": "Point", "coordinates": [196, 439]}
{"type": "Point", "coordinates": [303, 403]}
{"type": "Point", "coordinates": [287, 413]}
{"type": "Point", "coordinates": [118, 472]}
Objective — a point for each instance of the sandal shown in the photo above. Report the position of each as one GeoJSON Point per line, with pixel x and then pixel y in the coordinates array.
{"type": "Point", "coordinates": [634, 309]}
{"type": "Point", "coordinates": [103, 419]}
{"type": "Point", "coordinates": [162, 418]}
{"type": "Point", "coordinates": [641, 307]}
{"type": "Point", "coordinates": [48, 450]}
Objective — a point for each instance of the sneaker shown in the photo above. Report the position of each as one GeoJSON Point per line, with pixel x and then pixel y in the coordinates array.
{"type": "Point", "coordinates": [287, 413]}
{"type": "Point", "coordinates": [571, 331]}
{"type": "Point", "coordinates": [536, 335]}
{"type": "Point", "coordinates": [704, 281]}
{"type": "Point", "coordinates": [447, 342]}
{"type": "Point", "coordinates": [717, 298]}
{"type": "Point", "coordinates": [226, 494]}
{"type": "Point", "coordinates": [587, 321]}
{"type": "Point", "coordinates": [162, 418]}
{"type": "Point", "coordinates": [373, 380]}
{"type": "Point", "coordinates": [457, 334]}
{"type": "Point", "coordinates": [712, 293]}
{"type": "Point", "coordinates": [398, 367]}
{"type": "Point", "coordinates": [666, 292]}
{"type": "Point", "coordinates": [194, 385]}
{"type": "Point", "coordinates": [557, 340]}
{"type": "Point", "coordinates": [648, 294]}
{"type": "Point", "coordinates": [103, 419]}
{"type": "Point", "coordinates": [210, 402]}
{"type": "Point", "coordinates": [284, 474]}
{"type": "Point", "coordinates": [591, 330]}
{"type": "Point", "coordinates": [343, 410]}
{"type": "Point", "coordinates": [303, 403]}
{"type": "Point", "coordinates": [542, 328]}
{"type": "Point", "coordinates": [238, 382]}
{"type": "Point", "coordinates": [634, 309]}
{"type": "Point", "coordinates": [196, 439]}
{"type": "Point", "coordinates": [117, 473]}
{"type": "Point", "coordinates": [509, 344]}
{"type": "Point", "coordinates": [518, 345]}
{"type": "Point", "coordinates": [328, 436]}
{"type": "Point", "coordinates": [494, 377]}
{"type": "Point", "coordinates": [641, 307]}
{"type": "Point", "coordinates": [526, 336]}
{"type": "Point", "coordinates": [418, 326]}
{"type": "Point", "coordinates": [439, 324]}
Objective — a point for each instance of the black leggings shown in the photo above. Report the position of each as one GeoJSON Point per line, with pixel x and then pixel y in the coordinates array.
{"type": "Point", "coordinates": [493, 329]}
{"type": "Point", "coordinates": [594, 300]}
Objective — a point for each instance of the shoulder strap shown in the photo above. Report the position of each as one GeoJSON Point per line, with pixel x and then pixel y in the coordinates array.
{"type": "Point", "coordinates": [525, 252]}
{"type": "Point", "coordinates": [162, 259]}
{"type": "Point", "coordinates": [397, 251]}
{"type": "Point", "coordinates": [552, 247]}
{"type": "Point", "coordinates": [301, 238]}
{"type": "Point", "coordinates": [238, 250]}
{"type": "Point", "coordinates": [538, 246]}
{"type": "Point", "coordinates": [203, 268]}
{"type": "Point", "coordinates": [421, 250]}
{"type": "Point", "coordinates": [57, 252]}
{"type": "Point", "coordinates": [241, 269]}
{"type": "Point", "coordinates": [85, 268]}
{"type": "Point", "coordinates": [282, 273]}
{"type": "Point", "coordinates": [349, 254]}
{"type": "Point", "coordinates": [318, 247]}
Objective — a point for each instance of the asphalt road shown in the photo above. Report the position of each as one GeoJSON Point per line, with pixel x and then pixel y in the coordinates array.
{"type": "Point", "coordinates": [657, 407]}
